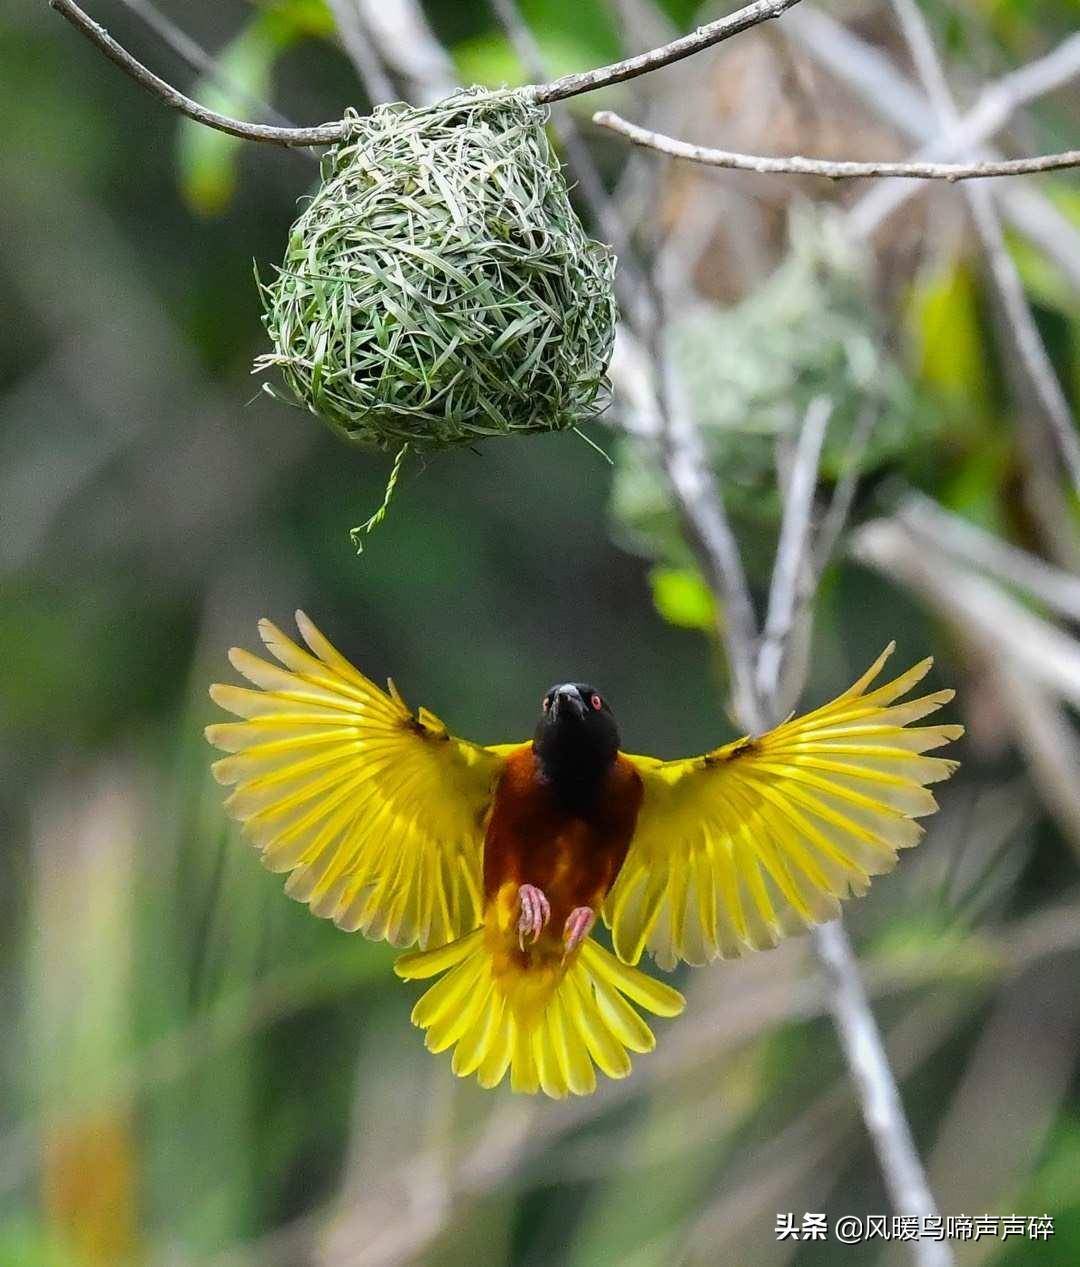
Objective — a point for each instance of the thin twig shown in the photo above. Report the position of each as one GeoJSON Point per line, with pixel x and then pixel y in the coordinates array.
{"type": "Point", "coordinates": [357, 44]}
{"type": "Point", "coordinates": [968, 543]}
{"type": "Point", "coordinates": [791, 550]}
{"type": "Point", "coordinates": [1025, 334]}
{"type": "Point", "coordinates": [1010, 290]}
{"type": "Point", "coordinates": [883, 1110]}
{"type": "Point", "coordinates": [408, 46]}
{"type": "Point", "coordinates": [704, 37]}
{"type": "Point", "coordinates": [843, 498]}
{"type": "Point", "coordinates": [796, 165]}
{"type": "Point", "coordinates": [324, 134]}
{"type": "Point", "coordinates": [629, 278]}
{"type": "Point", "coordinates": [879, 1097]}
{"type": "Point", "coordinates": [853, 1018]}
{"type": "Point", "coordinates": [709, 532]}
{"type": "Point", "coordinates": [327, 133]}
{"type": "Point", "coordinates": [198, 59]}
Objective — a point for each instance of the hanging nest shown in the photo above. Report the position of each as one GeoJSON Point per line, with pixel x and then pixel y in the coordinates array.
{"type": "Point", "coordinates": [439, 287]}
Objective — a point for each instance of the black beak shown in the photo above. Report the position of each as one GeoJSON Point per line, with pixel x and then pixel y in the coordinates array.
{"type": "Point", "coordinates": [568, 699]}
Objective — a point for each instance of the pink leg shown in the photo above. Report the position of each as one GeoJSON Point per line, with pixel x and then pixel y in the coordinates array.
{"type": "Point", "coordinates": [578, 926]}
{"type": "Point", "coordinates": [535, 913]}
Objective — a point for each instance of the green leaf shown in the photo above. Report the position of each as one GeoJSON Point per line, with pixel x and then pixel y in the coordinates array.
{"type": "Point", "coordinates": [208, 159]}
{"type": "Point", "coordinates": [943, 313]}
{"type": "Point", "coordinates": [682, 598]}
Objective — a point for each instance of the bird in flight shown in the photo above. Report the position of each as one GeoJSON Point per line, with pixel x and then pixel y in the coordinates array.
{"type": "Point", "coordinates": [496, 862]}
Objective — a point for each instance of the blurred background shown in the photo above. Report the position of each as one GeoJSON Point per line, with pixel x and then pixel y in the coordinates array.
{"type": "Point", "coordinates": [195, 1071]}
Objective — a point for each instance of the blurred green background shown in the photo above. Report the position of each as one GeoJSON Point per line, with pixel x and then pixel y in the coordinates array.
{"type": "Point", "coordinates": [195, 1071]}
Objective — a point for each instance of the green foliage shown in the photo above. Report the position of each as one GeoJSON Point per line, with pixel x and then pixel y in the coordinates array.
{"type": "Point", "coordinates": [749, 374]}
{"type": "Point", "coordinates": [208, 160]}
{"type": "Point", "coordinates": [944, 317]}
{"type": "Point", "coordinates": [682, 598]}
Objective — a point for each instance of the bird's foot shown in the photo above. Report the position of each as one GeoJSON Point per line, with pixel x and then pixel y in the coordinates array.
{"type": "Point", "coordinates": [535, 913]}
{"type": "Point", "coordinates": [577, 927]}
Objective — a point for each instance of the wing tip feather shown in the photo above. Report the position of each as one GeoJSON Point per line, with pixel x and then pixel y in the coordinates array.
{"type": "Point", "coordinates": [219, 692]}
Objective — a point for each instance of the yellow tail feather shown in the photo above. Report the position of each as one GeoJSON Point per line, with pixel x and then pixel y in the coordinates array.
{"type": "Point", "coordinates": [547, 1028]}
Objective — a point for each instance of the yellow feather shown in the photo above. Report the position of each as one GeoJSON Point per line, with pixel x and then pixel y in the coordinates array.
{"type": "Point", "coordinates": [570, 1049]}
{"type": "Point", "coordinates": [655, 996]}
{"type": "Point", "coordinates": [760, 838]}
{"type": "Point", "coordinates": [499, 1048]}
{"type": "Point", "coordinates": [376, 812]}
{"type": "Point", "coordinates": [549, 1025]}
{"type": "Point", "coordinates": [609, 1055]}
{"type": "Point", "coordinates": [523, 1076]}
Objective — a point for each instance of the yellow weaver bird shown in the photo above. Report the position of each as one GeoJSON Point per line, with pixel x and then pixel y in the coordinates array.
{"type": "Point", "coordinates": [496, 861]}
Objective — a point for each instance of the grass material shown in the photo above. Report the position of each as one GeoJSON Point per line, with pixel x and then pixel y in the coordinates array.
{"type": "Point", "coordinates": [439, 287]}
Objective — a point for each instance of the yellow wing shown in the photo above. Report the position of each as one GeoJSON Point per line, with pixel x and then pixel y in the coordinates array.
{"type": "Point", "coordinates": [763, 837]}
{"type": "Point", "coordinates": [376, 812]}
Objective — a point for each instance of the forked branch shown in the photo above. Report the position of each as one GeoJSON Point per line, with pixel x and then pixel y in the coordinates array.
{"type": "Point", "coordinates": [327, 133]}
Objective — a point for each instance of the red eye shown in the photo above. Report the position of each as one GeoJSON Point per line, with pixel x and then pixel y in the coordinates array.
{"type": "Point", "coordinates": [545, 703]}
{"type": "Point", "coordinates": [596, 702]}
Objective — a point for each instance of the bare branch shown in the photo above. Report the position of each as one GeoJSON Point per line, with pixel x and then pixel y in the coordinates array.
{"type": "Point", "coordinates": [630, 281]}
{"type": "Point", "coordinates": [323, 134]}
{"type": "Point", "coordinates": [830, 169]}
{"type": "Point", "coordinates": [327, 133]}
{"type": "Point", "coordinates": [713, 542]}
{"type": "Point", "coordinates": [883, 1110]}
{"type": "Point", "coordinates": [1010, 290]}
{"type": "Point", "coordinates": [843, 496]}
{"type": "Point", "coordinates": [860, 1038]}
{"type": "Point", "coordinates": [970, 544]}
{"type": "Point", "coordinates": [357, 45]}
{"type": "Point", "coordinates": [704, 37]}
{"type": "Point", "coordinates": [791, 551]}
{"type": "Point", "coordinates": [1025, 334]}
{"type": "Point", "coordinates": [198, 59]}
{"type": "Point", "coordinates": [409, 47]}
{"type": "Point", "coordinates": [879, 1097]}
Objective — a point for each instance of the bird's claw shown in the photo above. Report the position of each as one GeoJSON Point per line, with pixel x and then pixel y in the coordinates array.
{"type": "Point", "coordinates": [577, 927]}
{"type": "Point", "coordinates": [535, 913]}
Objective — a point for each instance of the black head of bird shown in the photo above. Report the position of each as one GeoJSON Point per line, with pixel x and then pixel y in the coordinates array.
{"type": "Point", "coordinates": [576, 737]}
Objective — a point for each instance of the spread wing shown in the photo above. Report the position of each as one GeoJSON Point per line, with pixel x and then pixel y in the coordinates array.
{"type": "Point", "coordinates": [763, 837]}
{"type": "Point", "coordinates": [376, 812]}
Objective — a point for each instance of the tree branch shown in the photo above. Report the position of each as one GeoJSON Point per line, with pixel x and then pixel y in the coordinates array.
{"type": "Point", "coordinates": [965, 541]}
{"type": "Point", "coordinates": [192, 53]}
{"type": "Point", "coordinates": [358, 49]}
{"type": "Point", "coordinates": [882, 1108]}
{"type": "Point", "coordinates": [711, 538]}
{"type": "Point", "coordinates": [831, 170]}
{"type": "Point", "coordinates": [860, 1039]}
{"type": "Point", "coordinates": [324, 134]}
{"type": "Point", "coordinates": [792, 551]}
{"type": "Point", "coordinates": [704, 37]}
{"type": "Point", "coordinates": [327, 133]}
{"type": "Point", "coordinates": [408, 46]}
{"type": "Point", "coordinates": [1020, 323]}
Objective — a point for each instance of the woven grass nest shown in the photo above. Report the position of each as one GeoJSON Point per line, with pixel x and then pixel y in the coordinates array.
{"type": "Point", "coordinates": [439, 287]}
